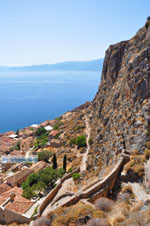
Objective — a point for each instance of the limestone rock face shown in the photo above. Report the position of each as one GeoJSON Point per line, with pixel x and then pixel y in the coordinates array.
{"type": "Point", "coordinates": [120, 118]}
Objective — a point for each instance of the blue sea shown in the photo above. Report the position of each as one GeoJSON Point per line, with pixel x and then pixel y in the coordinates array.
{"type": "Point", "coordinates": [33, 97]}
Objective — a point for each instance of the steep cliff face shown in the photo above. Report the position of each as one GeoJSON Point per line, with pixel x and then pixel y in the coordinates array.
{"type": "Point", "coordinates": [120, 118]}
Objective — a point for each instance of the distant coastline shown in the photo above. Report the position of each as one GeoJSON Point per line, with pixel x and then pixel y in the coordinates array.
{"type": "Point", "coordinates": [92, 65]}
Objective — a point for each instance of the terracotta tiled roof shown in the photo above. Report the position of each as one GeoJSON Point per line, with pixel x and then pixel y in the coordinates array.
{"type": "Point", "coordinates": [4, 188]}
{"type": "Point", "coordinates": [16, 190]}
{"type": "Point", "coordinates": [38, 166]}
{"type": "Point", "coordinates": [16, 152]}
{"type": "Point", "coordinates": [20, 205]}
{"type": "Point", "coordinates": [53, 133]}
{"type": "Point", "coordinates": [18, 176]}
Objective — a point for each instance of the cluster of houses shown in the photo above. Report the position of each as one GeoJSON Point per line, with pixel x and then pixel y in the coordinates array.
{"type": "Point", "coordinates": [13, 207]}
{"type": "Point", "coordinates": [11, 201]}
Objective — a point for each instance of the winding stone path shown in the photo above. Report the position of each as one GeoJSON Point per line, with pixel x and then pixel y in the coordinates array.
{"type": "Point", "coordinates": [85, 155]}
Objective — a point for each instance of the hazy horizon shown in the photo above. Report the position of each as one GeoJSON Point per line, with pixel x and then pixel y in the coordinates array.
{"type": "Point", "coordinates": [59, 62]}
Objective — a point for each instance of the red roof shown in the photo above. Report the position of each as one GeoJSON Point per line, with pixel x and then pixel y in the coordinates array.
{"type": "Point", "coordinates": [4, 188]}
{"type": "Point", "coordinates": [20, 204]}
{"type": "Point", "coordinates": [54, 133]}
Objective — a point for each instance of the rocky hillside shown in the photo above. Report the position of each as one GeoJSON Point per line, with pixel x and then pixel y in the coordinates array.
{"type": "Point", "coordinates": [120, 115]}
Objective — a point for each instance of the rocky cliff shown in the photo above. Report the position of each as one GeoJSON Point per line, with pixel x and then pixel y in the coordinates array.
{"type": "Point", "coordinates": [120, 115]}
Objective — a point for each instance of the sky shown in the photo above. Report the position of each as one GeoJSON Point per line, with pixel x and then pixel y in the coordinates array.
{"type": "Point", "coordinates": [51, 31]}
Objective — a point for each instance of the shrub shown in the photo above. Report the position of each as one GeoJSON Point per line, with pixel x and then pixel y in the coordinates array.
{"type": "Point", "coordinates": [81, 141]}
{"type": "Point", "coordinates": [35, 211]}
{"type": "Point", "coordinates": [57, 135]}
{"type": "Point", "coordinates": [147, 154]}
{"type": "Point", "coordinates": [41, 141]}
{"type": "Point", "coordinates": [97, 222]}
{"type": "Point", "coordinates": [76, 176]}
{"type": "Point", "coordinates": [44, 156]}
{"type": "Point", "coordinates": [127, 189]}
{"type": "Point", "coordinates": [57, 125]}
{"type": "Point", "coordinates": [90, 141]}
{"type": "Point", "coordinates": [58, 118]}
{"type": "Point", "coordinates": [16, 147]}
{"type": "Point", "coordinates": [40, 131]}
{"type": "Point", "coordinates": [135, 165]}
{"type": "Point", "coordinates": [125, 197]}
{"type": "Point", "coordinates": [70, 170]}
{"type": "Point", "coordinates": [42, 221]}
{"type": "Point", "coordinates": [72, 142]}
{"type": "Point", "coordinates": [103, 204]}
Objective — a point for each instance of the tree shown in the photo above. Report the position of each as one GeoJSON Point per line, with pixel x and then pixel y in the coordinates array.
{"type": "Point", "coordinates": [40, 131]}
{"type": "Point", "coordinates": [44, 156]}
{"type": "Point", "coordinates": [54, 161]}
{"type": "Point", "coordinates": [65, 162]}
{"type": "Point", "coordinates": [17, 132]}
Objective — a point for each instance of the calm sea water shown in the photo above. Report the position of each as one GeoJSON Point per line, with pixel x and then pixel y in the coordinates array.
{"type": "Point", "coordinates": [32, 97]}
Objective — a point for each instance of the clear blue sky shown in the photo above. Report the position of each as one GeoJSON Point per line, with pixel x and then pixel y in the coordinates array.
{"type": "Point", "coordinates": [49, 31]}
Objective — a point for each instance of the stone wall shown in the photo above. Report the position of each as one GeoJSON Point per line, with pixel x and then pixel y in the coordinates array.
{"type": "Point", "coordinates": [11, 217]}
{"type": "Point", "coordinates": [101, 188]}
{"type": "Point", "coordinates": [7, 217]}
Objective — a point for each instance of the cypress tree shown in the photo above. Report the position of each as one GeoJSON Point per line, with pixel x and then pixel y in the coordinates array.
{"type": "Point", "coordinates": [54, 161]}
{"type": "Point", "coordinates": [65, 162]}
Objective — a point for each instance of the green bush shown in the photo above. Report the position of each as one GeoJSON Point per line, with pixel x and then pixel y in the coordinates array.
{"type": "Point", "coordinates": [41, 141]}
{"type": "Point", "coordinates": [76, 176]}
{"type": "Point", "coordinates": [70, 170]}
{"type": "Point", "coordinates": [90, 141]}
{"type": "Point", "coordinates": [37, 182]}
{"type": "Point", "coordinates": [81, 141]}
{"type": "Point", "coordinates": [57, 125]}
{"type": "Point", "coordinates": [72, 142]}
{"type": "Point", "coordinates": [44, 156]}
{"type": "Point", "coordinates": [16, 147]}
{"type": "Point", "coordinates": [40, 131]}
{"type": "Point", "coordinates": [57, 136]}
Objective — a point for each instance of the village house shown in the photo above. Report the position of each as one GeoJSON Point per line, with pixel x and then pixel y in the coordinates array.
{"type": "Point", "coordinates": [4, 187]}
{"type": "Point", "coordinates": [27, 143]}
{"type": "Point", "coordinates": [55, 143]}
{"type": "Point", "coordinates": [53, 134]}
{"type": "Point", "coordinates": [17, 178]}
{"type": "Point", "coordinates": [13, 205]}
{"type": "Point", "coordinates": [38, 166]}
{"type": "Point", "coordinates": [6, 142]}
{"type": "Point", "coordinates": [47, 123]}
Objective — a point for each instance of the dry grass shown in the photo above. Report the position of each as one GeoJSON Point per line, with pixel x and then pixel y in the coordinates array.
{"type": "Point", "coordinates": [98, 222]}
{"type": "Point", "coordinates": [70, 215]}
{"type": "Point", "coordinates": [42, 221]}
{"type": "Point", "coordinates": [128, 190]}
{"type": "Point", "coordinates": [135, 165]}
